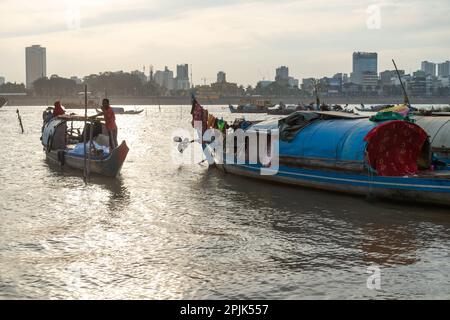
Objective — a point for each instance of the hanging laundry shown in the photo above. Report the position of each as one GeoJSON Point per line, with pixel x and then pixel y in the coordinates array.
{"type": "Point", "coordinates": [221, 124]}
{"type": "Point", "coordinates": [211, 121]}
{"type": "Point", "coordinates": [196, 112]}
{"type": "Point", "coordinates": [199, 114]}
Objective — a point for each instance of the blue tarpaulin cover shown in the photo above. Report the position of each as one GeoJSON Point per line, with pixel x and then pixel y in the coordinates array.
{"type": "Point", "coordinates": [79, 149]}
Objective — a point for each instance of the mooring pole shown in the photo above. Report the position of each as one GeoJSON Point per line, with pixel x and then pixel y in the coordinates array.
{"type": "Point", "coordinates": [89, 153]}
{"type": "Point", "coordinates": [20, 120]}
{"type": "Point", "coordinates": [85, 133]}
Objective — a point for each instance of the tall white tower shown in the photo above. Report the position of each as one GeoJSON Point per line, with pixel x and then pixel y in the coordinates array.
{"type": "Point", "coordinates": [36, 64]}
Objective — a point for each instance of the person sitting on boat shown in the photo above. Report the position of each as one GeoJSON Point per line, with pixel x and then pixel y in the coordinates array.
{"type": "Point", "coordinates": [58, 111]}
{"type": "Point", "coordinates": [110, 123]}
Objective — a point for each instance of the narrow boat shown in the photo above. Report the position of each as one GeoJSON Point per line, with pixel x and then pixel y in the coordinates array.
{"type": "Point", "coordinates": [133, 111]}
{"type": "Point", "coordinates": [390, 159]}
{"type": "Point", "coordinates": [247, 108]}
{"type": "Point", "coordinates": [376, 108]}
{"type": "Point", "coordinates": [283, 109]}
{"type": "Point", "coordinates": [251, 106]}
{"type": "Point", "coordinates": [64, 144]}
{"type": "Point", "coordinates": [120, 110]}
{"type": "Point", "coordinates": [3, 102]}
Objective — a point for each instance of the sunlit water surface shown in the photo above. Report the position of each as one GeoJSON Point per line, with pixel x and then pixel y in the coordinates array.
{"type": "Point", "coordinates": [168, 231]}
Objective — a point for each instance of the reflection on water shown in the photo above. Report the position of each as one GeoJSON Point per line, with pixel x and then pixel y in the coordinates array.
{"type": "Point", "coordinates": [163, 231]}
{"type": "Point", "coordinates": [119, 196]}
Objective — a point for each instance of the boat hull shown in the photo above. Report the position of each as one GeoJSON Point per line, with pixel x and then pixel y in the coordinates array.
{"type": "Point", "coordinates": [247, 110]}
{"type": "Point", "coordinates": [280, 112]}
{"type": "Point", "coordinates": [109, 167]}
{"type": "Point", "coordinates": [133, 112]}
{"type": "Point", "coordinates": [424, 190]}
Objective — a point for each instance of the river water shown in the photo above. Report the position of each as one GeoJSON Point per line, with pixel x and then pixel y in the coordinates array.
{"type": "Point", "coordinates": [162, 230]}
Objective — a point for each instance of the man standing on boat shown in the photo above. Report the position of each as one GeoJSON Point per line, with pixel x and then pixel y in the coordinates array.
{"type": "Point", "coordinates": [110, 122]}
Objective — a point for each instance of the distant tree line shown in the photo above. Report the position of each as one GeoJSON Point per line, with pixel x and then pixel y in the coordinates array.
{"type": "Point", "coordinates": [110, 83]}
{"type": "Point", "coordinates": [132, 84]}
{"type": "Point", "coordinates": [55, 86]}
{"type": "Point", "coordinates": [276, 89]}
{"type": "Point", "coordinates": [10, 87]}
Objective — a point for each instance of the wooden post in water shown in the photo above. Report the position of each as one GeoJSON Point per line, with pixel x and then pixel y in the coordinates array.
{"type": "Point", "coordinates": [20, 120]}
{"type": "Point", "coordinates": [85, 133]}
{"type": "Point", "coordinates": [89, 151]}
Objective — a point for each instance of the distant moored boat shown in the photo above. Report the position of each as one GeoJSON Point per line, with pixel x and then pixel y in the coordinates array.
{"type": "Point", "coordinates": [3, 102]}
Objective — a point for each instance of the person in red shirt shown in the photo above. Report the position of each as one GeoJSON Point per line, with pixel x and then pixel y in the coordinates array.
{"type": "Point", "coordinates": [110, 122]}
{"type": "Point", "coordinates": [58, 111]}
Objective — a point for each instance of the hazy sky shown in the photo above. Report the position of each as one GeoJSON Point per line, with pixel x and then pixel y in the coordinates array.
{"type": "Point", "coordinates": [247, 39]}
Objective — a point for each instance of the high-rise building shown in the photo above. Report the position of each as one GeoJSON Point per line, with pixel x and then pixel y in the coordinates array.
{"type": "Point", "coordinates": [183, 72]}
{"type": "Point", "coordinates": [308, 85]}
{"type": "Point", "coordinates": [429, 68]}
{"type": "Point", "coordinates": [282, 73]}
{"type": "Point", "coordinates": [292, 82]}
{"type": "Point", "coordinates": [182, 79]}
{"type": "Point", "coordinates": [165, 78]}
{"type": "Point", "coordinates": [387, 76]}
{"type": "Point", "coordinates": [2, 80]}
{"type": "Point", "coordinates": [419, 84]}
{"type": "Point", "coordinates": [369, 81]}
{"type": "Point", "coordinates": [363, 62]}
{"type": "Point", "coordinates": [36, 64]}
{"type": "Point", "coordinates": [444, 69]}
{"type": "Point", "coordinates": [335, 83]}
{"type": "Point", "coordinates": [221, 77]}
{"type": "Point", "coordinates": [345, 78]}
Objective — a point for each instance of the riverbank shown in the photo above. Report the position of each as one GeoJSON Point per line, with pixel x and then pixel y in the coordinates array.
{"type": "Point", "coordinates": [135, 101]}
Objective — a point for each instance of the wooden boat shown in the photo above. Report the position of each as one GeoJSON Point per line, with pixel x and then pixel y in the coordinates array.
{"type": "Point", "coordinates": [283, 109]}
{"type": "Point", "coordinates": [64, 145]}
{"type": "Point", "coordinates": [345, 154]}
{"type": "Point", "coordinates": [247, 108]}
{"type": "Point", "coordinates": [133, 111]}
{"type": "Point", "coordinates": [119, 110]}
{"type": "Point", "coordinates": [251, 106]}
{"type": "Point", "coordinates": [3, 102]}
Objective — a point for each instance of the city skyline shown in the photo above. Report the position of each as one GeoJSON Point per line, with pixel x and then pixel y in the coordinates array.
{"type": "Point", "coordinates": [244, 38]}
{"type": "Point", "coordinates": [364, 72]}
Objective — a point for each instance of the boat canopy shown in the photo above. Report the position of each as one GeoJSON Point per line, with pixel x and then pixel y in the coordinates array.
{"type": "Point", "coordinates": [438, 128]}
{"type": "Point", "coordinates": [392, 148]}
{"type": "Point", "coordinates": [339, 139]}
{"type": "Point", "coordinates": [50, 128]}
